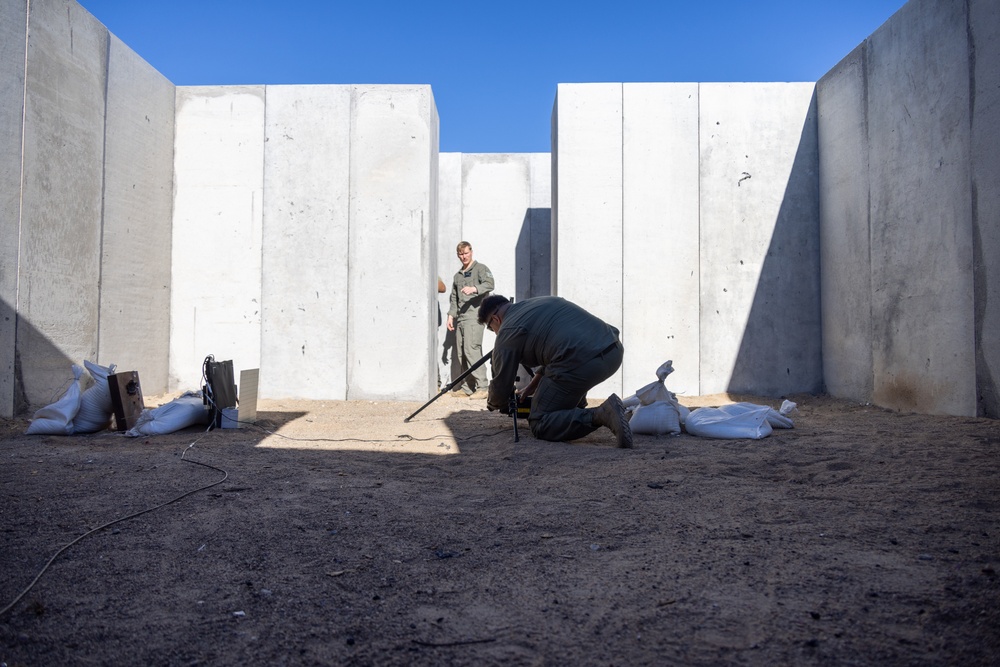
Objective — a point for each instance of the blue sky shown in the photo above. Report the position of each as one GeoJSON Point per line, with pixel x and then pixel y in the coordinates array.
{"type": "Point", "coordinates": [493, 67]}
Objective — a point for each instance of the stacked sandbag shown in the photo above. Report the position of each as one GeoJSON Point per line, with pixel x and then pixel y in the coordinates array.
{"type": "Point", "coordinates": [187, 410]}
{"type": "Point", "coordinates": [57, 418]}
{"type": "Point", "coordinates": [739, 421]}
{"type": "Point", "coordinates": [96, 408]}
{"type": "Point", "coordinates": [654, 409]}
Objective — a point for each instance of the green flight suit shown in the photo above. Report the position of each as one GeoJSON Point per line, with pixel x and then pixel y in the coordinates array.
{"type": "Point", "coordinates": [575, 350]}
{"type": "Point", "coordinates": [464, 310]}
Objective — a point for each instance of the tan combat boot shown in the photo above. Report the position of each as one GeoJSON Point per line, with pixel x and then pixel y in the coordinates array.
{"type": "Point", "coordinates": [611, 413]}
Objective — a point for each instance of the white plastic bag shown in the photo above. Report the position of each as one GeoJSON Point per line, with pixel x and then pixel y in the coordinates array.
{"type": "Point", "coordinates": [57, 418]}
{"type": "Point", "coordinates": [186, 410]}
{"type": "Point", "coordinates": [659, 418]}
{"type": "Point", "coordinates": [655, 410]}
{"type": "Point", "coordinates": [95, 404]}
{"type": "Point", "coordinates": [733, 422]}
{"type": "Point", "coordinates": [739, 420]}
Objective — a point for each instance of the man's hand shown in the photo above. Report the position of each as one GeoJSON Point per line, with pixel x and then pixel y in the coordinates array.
{"type": "Point", "coordinates": [469, 289]}
{"type": "Point", "coordinates": [451, 323]}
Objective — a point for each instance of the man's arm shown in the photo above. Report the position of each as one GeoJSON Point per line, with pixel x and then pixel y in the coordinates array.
{"type": "Point", "coordinates": [505, 362]}
{"type": "Point", "coordinates": [453, 300]}
{"type": "Point", "coordinates": [484, 279]}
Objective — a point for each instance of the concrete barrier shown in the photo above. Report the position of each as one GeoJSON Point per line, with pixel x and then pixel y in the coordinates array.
{"type": "Point", "coordinates": [707, 221]}
{"type": "Point", "coordinates": [59, 265]}
{"type": "Point", "coordinates": [215, 306]}
{"type": "Point", "coordinates": [909, 262]}
{"type": "Point", "coordinates": [13, 34]}
{"type": "Point", "coordinates": [662, 232]}
{"type": "Point", "coordinates": [136, 237]}
{"type": "Point", "coordinates": [500, 203]}
{"type": "Point", "coordinates": [305, 246]}
{"type": "Point", "coordinates": [392, 318]}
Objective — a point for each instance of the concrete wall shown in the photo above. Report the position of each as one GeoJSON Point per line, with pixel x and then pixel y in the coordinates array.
{"type": "Point", "coordinates": [60, 234]}
{"type": "Point", "coordinates": [138, 193]}
{"type": "Point", "coordinates": [587, 216]}
{"type": "Point", "coordinates": [909, 258]}
{"type": "Point", "coordinates": [13, 33]}
{"type": "Point", "coordinates": [500, 203]}
{"type": "Point", "coordinates": [392, 314]}
{"type": "Point", "coordinates": [687, 216]}
{"type": "Point", "coordinates": [760, 313]}
{"type": "Point", "coordinates": [305, 238]}
{"type": "Point", "coordinates": [984, 35]}
{"type": "Point", "coordinates": [307, 183]}
{"type": "Point", "coordinates": [218, 210]}
{"type": "Point", "coordinates": [86, 192]}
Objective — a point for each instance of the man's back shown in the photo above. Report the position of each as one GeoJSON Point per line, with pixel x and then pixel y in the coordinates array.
{"type": "Point", "coordinates": [553, 332]}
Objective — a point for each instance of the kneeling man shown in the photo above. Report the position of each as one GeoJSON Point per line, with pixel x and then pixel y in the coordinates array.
{"type": "Point", "coordinates": [571, 351]}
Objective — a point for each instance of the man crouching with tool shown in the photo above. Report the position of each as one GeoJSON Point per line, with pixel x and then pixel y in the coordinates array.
{"type": "Point", "coordinates": [571, 350]}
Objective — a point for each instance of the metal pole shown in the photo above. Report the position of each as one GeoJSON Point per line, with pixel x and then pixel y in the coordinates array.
{"type": "Point", "coordinates": [453, 383]}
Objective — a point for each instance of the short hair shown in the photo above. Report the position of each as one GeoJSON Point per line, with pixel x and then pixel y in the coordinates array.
{"type": "Point", "coordinates": [490, 305]}
{"type": "Point", "coordinates": [463, 244]}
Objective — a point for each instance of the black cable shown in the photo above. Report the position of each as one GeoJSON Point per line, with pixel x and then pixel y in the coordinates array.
{"type": "Point", "coordinates": [111, 523]}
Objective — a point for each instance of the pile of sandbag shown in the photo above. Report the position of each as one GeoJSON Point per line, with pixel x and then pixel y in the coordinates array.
{"type": "Point", "coordinates": [189, 409]}
{"type": "Point", "coordinates": [78, 410]}
{"type": "Point", "coordinates": [655, 411]}
{"type": "Point", "coordinates": [739, 420]}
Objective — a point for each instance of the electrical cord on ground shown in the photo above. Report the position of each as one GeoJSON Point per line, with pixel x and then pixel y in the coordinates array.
{"type": "Point", "coordinates": [405, 437]}
{"type": "Point", "coordinates": [111, 523]}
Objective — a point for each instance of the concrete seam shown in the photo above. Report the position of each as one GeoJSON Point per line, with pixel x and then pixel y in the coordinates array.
{"type": "Point", "coordinates": [20, 194]}
{"type": "Point", "coordinates": [104, 185]}
{"type": "Point", "coordinates": [621, 213]}
{"type": "Point", "coordinates": [263, 222]}
{"type": "Point", "coordinates": [868, 210]}
{"type": "Point", "coordinates": [347, 291]}
{"type": "Point", "coordinates": [698, 241]}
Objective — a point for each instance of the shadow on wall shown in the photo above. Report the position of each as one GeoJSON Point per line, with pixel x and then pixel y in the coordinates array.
{"type": "Point", "coordinates": [781, 349]}
{"type": "Point", "coordinates": [52, 370]}
{"type": "Point", "coordinates": [532, 253]}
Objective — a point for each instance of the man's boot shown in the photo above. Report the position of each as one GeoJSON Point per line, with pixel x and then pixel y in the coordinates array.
{"type": "Point", "coordinates": [611, 413]}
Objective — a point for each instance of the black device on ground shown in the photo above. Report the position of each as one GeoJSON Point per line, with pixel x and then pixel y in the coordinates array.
{"type": "Point", "coordinates": [219, 391]}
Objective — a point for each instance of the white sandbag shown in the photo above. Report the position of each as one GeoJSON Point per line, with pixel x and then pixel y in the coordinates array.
{"type": "Point", "coordinates": [95, 404]}
{"type": "Point", "coordinates": [732, 422]}
{"type": "Point", "coordinates": [57, 418]}
{"type": "Point", "coordinates": [775, 418]}
{"type": "Point", "coordinates": [660, 418]}
{"type": "Point", "coordinates": [184, 411]}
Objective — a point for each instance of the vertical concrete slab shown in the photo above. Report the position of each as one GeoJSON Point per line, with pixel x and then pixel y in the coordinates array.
{"type": "Point", "coordinates": [540, 236]}
{"type": "Point", "coordinates": [845, 249]}
{"type": "Point", "coordinates": [13, 33]}
{"type": "Point", "coordinates": [760, 316]}
{"type": "Point", "coordinates": [588, 184]}
{"type": "Point", "coordinates": [138, 208]}
{"type": "Point", "coordinates": [216, 255]}
{"type": "Point", "coordinates": [660, 233]}
{"type": "Point", "coordinates": [305, 242]}
{"type": "Point", "coordinates": [922, 249]}
{"type": "Point", "coordinates": [984, 35]}
{"type": "Point", "coordinates": [59, 269]}
{"type": "Point", "coordinates": [449, 234]}
{"type": "Point", "coordinates": [496, 202]}
{"type": "Point", "coordinates": [496, 198]}
{"type": "Point", "coordinates": [392, 314]}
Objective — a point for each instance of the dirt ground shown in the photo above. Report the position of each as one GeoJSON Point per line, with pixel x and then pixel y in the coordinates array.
{"type": "Point", "coordinates": [336, 534]}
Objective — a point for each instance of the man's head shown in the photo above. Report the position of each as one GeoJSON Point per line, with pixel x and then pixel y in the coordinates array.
{"type": "Point", "coordinates": [464, 252]}
{"type": "Point", "coordinates": [492, 307]}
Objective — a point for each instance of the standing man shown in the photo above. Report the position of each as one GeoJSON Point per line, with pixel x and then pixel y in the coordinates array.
{"type": "Point", "coordinates": [571, 351]}
{"type": "Point", "coordinates": [472, 284]}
